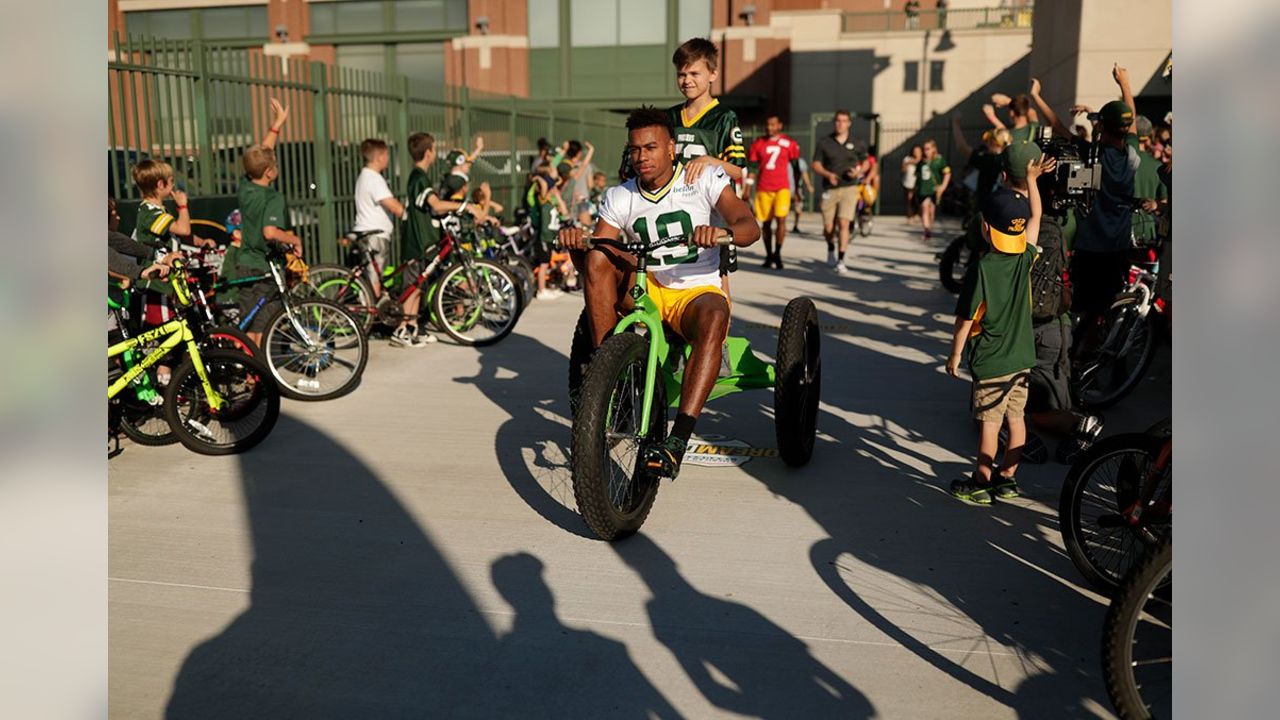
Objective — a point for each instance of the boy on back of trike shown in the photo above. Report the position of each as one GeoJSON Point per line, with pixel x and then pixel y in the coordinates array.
{"type": "Point", "coordinates": [683, 280]}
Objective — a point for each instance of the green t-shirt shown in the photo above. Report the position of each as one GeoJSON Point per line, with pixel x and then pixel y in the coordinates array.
{"type": "Point", "coordinates": [152, 227]}
{"type": "Point", "coordinates": [1147, 186]}
{"type": "Point", "coordinates": [1026, 133]}
{"type": "Point", "coordinates": [997, 296]}
{"type": "Point", "coordinates": [714, 131]}
{"type": "Point", "coordinates": [260, 206]}
{"type": "Point", "coordinates": [419, 232]}
{"type": "Point", "coordinates": [929, 175]}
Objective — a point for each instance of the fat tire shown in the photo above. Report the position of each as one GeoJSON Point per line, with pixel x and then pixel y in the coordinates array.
{"type": "Point", "coordinates": [280, 316]}
{"type": "Point", "coordinates": [590, 454]}
{"type": "Point", "coordinates": [579, 353]}
{"type": "Point", "coordinates": [127, 427]}
{"type": "Point", "coordinates": [437, 303]}
{"type": "Point", "coordinates": [1070, 522]}
{"type": "Point", "coordinates": [266, 391]}
{"type": "Point", "coordinates": [947, 265]}
{"type": "Point", "coordinates": [797, 389]}
{"type": "Point", "coordinates": [1147, 577]}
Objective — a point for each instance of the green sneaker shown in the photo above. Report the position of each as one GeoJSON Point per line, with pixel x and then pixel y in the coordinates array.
{"type": "Point", "coordinates": [1006, 488]}
{"type": "Point", "coordinates": [663, 460]}
{"type": "Point", "coordinates": [971, 492]}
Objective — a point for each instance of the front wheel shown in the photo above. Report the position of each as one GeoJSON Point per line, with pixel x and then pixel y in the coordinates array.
{"type": "Point", "coordinates": [249, 410]}
{"type": "Point", "coordinates": [865, 224]}
{"type": "Point", "coordinates": [613, 490]}
{"type": "Point", "coordinates": [1137, 639]}
{"type": "Point", "coordinates": [798, 382]}
{"type": "Point", "coordinates": [315, 350]}
{"type": "Point", "coordinates": [476, 303]}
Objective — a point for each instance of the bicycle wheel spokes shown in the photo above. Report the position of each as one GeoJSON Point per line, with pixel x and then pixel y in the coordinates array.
{"type": "Point", "coordinates": [1112, 488]}
{"type": "Point", "coordinates": [624, 437]}
{"type": "Point", "coordinates": [478, 303]}
{"type": "Point", "coordinates": [322, 354]}
{"type": "Point", "coordinates": [242, 412]}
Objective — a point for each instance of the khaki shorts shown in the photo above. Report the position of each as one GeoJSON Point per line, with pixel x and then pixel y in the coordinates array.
{"type": "Point", "coordinates": [839, 202]}
{"type": "Point", "coordinates": [997, 398]}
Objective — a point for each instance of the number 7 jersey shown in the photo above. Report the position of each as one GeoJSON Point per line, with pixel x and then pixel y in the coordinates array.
{"type": "Point", "coordinates": [674, 209]}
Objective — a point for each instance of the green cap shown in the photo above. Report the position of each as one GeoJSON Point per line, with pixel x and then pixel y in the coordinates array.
{"type": "Point", "coordinates": [1116, 116]}
{"type": "Point", "coordinates": [456, 158]}
{"type": "Point", "coordinates": [1016, 157]}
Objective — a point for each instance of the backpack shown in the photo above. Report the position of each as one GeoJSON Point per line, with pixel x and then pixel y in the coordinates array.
{"type": "Point", "coordinates": [1050, 287]}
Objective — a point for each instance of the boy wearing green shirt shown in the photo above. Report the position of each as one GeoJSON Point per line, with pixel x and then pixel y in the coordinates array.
{"type": "Point", "coordinates": [993, 317]}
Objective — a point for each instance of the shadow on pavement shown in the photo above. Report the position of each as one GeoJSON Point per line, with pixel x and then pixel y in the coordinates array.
{"type": "Point", "coordinates": [355, 613]}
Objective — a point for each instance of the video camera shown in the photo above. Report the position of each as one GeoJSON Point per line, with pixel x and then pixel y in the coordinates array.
{"type": "Point", "coordinates": [1077, 176]}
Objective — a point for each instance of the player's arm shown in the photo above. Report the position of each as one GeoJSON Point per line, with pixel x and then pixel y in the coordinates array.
{"type": "Point", "coordinates": [279, 114]}
{"type": "Point", "coordinates": [957, 137]}
{"type": "Point", "coordinates": [737, 216]}
{"type": "Point", "coordinates": [574, 238]}
{"type": "Point", "coordinates": [1050, 116]}
{"type": "Point", "coordinates": [1121, 76]}
{"type": "Point", "coordinates": [1036, 168]}
{"type": "Point", "coordinates": [989, 112]}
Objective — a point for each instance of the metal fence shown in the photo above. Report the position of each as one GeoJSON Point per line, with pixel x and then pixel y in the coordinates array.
{"type": "Point", "coordinates": [197, 106]}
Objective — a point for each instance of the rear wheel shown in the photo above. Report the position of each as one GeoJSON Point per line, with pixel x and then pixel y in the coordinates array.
{"type": "Point", "coordinates": [1102, 483]}
{"type": "Point", "coordinates": [522, 270]}
{"type": "Point", "coordinates": [1137, 639]}
{"type": "Point", "coordinates": [613, 490]}
{"type": "Point", "coordinates": [579, 356]}
{"type": "Point", "coordinates": [320, 357]}
{"type": "Point", "coordinates": [143, 423]}
{"type": "Point", "coordinates": [476, 303]}
{"type": "Point", "coordinates": [798, 382]}
{"type": "Point", "coordinates": [251, 403]}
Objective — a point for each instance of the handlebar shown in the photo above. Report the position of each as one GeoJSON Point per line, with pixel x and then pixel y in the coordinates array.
{"type": "Point", "coordinates": [641, 246]}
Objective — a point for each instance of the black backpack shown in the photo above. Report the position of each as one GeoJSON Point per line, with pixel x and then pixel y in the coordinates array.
{"type": "Point", "coordinates": [1050, 289]}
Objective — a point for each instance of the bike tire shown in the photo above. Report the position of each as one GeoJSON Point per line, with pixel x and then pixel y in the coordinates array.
{"type": "Point", "coordinates": [797, 387]}
{"type": "Point", "coordinates": [865, 226]}
{"type": "Point", "coordinates": [1146, 353]}
{"type": "Point", "coordinates": [615, 507]}
{"type": "Point", "coordinates": [1143, 605]}
{"type": "Point", "coordinates": [952, 259]}
{"type": "Point", "coordinates": [244, 382]}
{"type": "Point", "coordinates": [337, 343]}
{"type": "Point", "coordinates": [229, 337]}
{"type": "Point", "coordinates": [145, 425]}
{"type": "Point", "coordinates": [1103, 555]}
{"type": "Point", "coordinates": [355, 295]}
{"type": "Point", "coordinates": [522, 270]}
{"type": "Point", "coordinates": [579, 355]}
{"type": "Point", "coordinates": [492, 302]}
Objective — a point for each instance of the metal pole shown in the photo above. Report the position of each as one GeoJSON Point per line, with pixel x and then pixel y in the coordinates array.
{"type": "Point", "coordinates": [324, 163]}
{"type": "Point", "coordinates": [203, 135]}
{"type": "Point", "coordinates": [515, 163]}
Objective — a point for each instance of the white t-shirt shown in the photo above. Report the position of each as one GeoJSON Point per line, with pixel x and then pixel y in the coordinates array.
{"type": "Point", "coordinates": [909, 173]}
{"type": "Point", "coordinates": [675, 209]}
{"type": "Point", "coordinates": [371, 189]}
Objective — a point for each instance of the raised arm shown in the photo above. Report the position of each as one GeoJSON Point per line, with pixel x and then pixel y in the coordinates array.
{"type": "Point", "coordinates": [479, 145]}
{"type": "Point", "coordinates": [279, 114]}
{"type": "Point", "coordinates": [958, 136]}
{"type": "Point", "coordinates": [1049, 115]}
{"type": "Point", "coordinates": [1036, 168]}
{"type": "Point", "coordinates": [1121, 76]}
{"type": "Point", "coordinates": [989, 111]}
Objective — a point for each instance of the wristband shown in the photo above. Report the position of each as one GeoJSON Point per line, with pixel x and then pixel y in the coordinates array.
{"type": "Point", "coordinates": [273, 130]}
{"type": "Point", "coordinates": [182, 207]}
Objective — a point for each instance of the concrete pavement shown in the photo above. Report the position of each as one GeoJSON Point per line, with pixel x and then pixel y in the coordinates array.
{"type": "Point", "coordinates": [413, 549]}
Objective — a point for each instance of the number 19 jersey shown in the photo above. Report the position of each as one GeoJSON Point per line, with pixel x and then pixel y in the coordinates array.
{"type": "Point", "coordinates": [674, 209]}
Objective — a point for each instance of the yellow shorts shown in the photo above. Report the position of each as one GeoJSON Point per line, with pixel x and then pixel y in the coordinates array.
{"type": "Point", "coordinates": [772, 204]}
{"type": "Point", "coordinates": [672, 303]}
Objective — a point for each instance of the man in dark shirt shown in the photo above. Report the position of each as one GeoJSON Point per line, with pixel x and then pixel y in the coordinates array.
{"type": "Point", "coordinates": [837, 159]}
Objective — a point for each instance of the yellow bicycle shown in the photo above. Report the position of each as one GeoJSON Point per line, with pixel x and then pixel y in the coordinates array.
{"type": "Point", "coordinates": [217, 402]}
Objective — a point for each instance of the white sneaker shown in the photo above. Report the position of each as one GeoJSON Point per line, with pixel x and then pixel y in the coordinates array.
{"type": "Point", "coordinates": [405, 339]}
{"type": "Point", "coordinates": [425, 338]}
{"type": "Point", "coordinates": [831, 258]}
{"type": "Point", "coordinates": [840, 268]}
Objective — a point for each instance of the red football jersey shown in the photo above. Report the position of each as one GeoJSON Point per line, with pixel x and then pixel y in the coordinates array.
{"type": "Point", "coordinates": [773, 155]}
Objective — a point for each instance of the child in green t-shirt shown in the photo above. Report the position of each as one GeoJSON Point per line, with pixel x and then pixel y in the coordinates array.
{"type": "Point", "coordinates": [993, 317]}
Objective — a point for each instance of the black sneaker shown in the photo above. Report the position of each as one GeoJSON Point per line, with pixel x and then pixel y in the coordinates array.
{"type": "Point", "coordinates": [777, 261]}
{"type": "Point", "coordinates": [768, 262]}
{"type": "Point", "coordinates": [1006, 488]}
{"type": "Point", "coordinates": [663, 460]}
{"type": "Point", "coordinates": [971, 492]}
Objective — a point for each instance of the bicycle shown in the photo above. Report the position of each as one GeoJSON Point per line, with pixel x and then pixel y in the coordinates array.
{"type": "Point", "coordinates": [864, 218]}
{"type": "Point", "coordinates": [217, 401]}
{"type": "Point", "coordinates": [1137, 639]}
{"type": "Point", "coordinates": [622, 399]}
{"type": "Point", "coordinates": [475, 301]}
{"type": "Point", "coordinates": [314, 348]}
{"type": "Point", "coordinates": [1117, 503]}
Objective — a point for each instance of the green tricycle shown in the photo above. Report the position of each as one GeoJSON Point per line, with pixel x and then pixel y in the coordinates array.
{"type": "Point", "coordinates": [620, 395]}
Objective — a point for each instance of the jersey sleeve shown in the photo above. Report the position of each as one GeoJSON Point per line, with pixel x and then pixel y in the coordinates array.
{"type": "Point", "coordinates": [159, 224]}
{"type": "Point", "coordinates": [969, 303]}
{"type": "Point", "coordinates": [420, 198]}
{"type": "Point", "coordinates": [732, 150]}
{"type": "Point", "coordinates": [753, 156]}
{"type": "Point", "coordinates": [714, 183]}
{"type": "Point", "coordinates": [613, 207]}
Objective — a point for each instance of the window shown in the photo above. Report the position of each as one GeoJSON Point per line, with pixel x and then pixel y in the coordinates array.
{"type": "Point", "coordinates": [593, 23]}
{"type": "Point", "coordinates": [911, 76]}
{"type": "Point", "coordinates": [171, 24]}
{"type": "Point", "coordinates": [423, 63]}
{"type": "Point", "coordinates": [332, 18]}
{"type": "Point", "coordinates": [935, 74]}
{"type": "Point", "coordinates": [642, 23]}
{"type": "Point", "coordinates": [695, 19]}
{"type": "Point", "coordinates": [544, 23]}
{"type": "Point", "coordinates": [371, 58]}
{"type": "Point", "coordinates": [234, 22]}
{"type": "Point", "coordinates": [417, 15]}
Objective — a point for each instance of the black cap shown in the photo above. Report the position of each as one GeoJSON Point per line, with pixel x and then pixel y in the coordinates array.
{"type": "Point", "coordinates": [1006, 213]}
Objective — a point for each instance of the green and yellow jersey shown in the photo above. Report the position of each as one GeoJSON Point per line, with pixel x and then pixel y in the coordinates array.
{"type": "Point", "coordinates": [714, 131]}
{"type": "Point", "coordinates": [419, 232]}
{"type": "Point", "coordinates": [152, 228]}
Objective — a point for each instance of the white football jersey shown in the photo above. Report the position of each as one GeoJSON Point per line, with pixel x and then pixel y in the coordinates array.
{"type": "Point", "coordinates": [675, 209]}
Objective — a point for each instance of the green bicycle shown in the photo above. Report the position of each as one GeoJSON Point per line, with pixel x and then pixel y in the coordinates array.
{"type": "Point", "coordinates": [623, 394]}
{"type": "Point", "coordinates": [217, 401]}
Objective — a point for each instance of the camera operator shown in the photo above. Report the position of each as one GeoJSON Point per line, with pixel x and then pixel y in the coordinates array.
{"type": "Point", "coordinates": [1100, 259]}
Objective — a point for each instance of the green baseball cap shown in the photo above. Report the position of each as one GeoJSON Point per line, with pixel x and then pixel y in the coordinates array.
{"type": "Point", "coordinates": [1116, 116]}
{"type": "Point", "coordinates": [1016, 157]}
